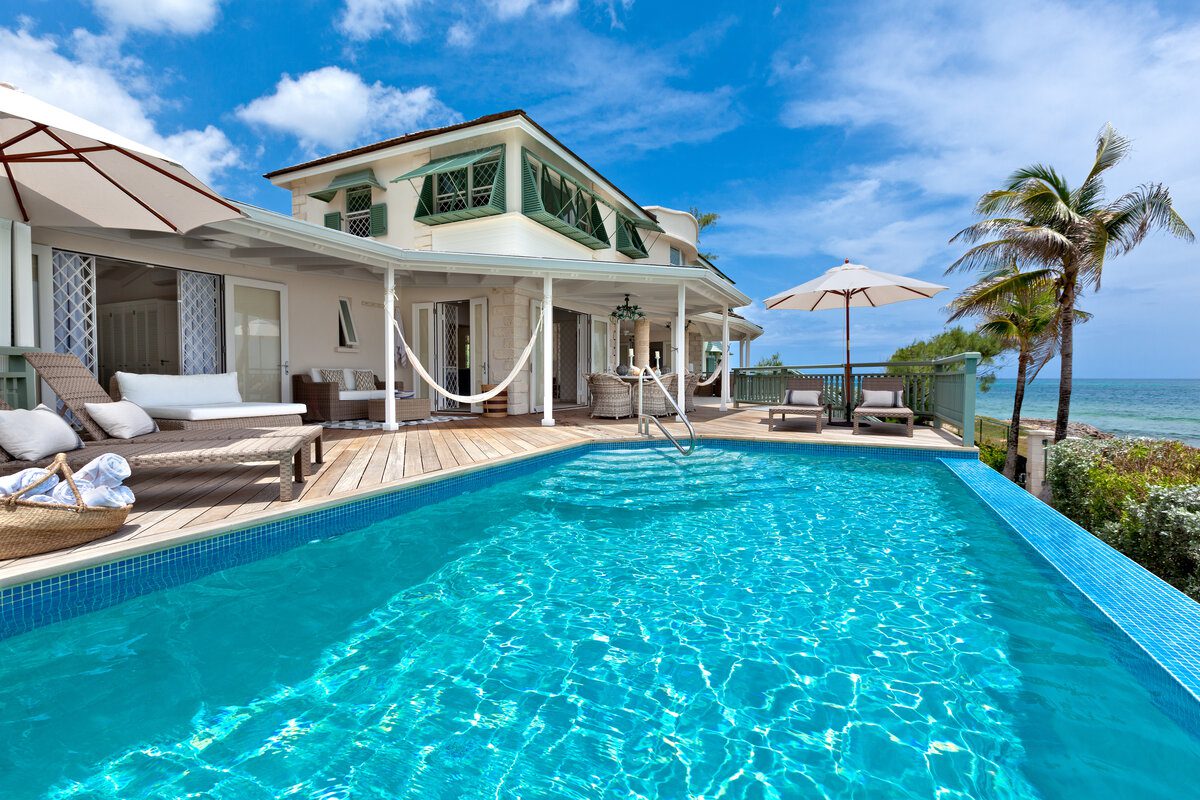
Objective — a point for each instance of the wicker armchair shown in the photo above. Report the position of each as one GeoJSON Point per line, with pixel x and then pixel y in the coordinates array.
{"type": "Point", "coordinates": [654, 403]}
{"type": "Point", "coordinates": [689, 392]}
{"type": "Point", "coordinates": [323, 400]}
{"type": "Point", "coordinates": [611, 396]}
{"type": "Point", "coordinates": [898, 412]}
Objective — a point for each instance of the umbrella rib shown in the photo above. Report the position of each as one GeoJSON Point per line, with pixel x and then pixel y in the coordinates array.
{"type": "Point", "coordinates": [784, 300]}
{"type": "Point", "coordinates": [176, 178]}
{"type": "Point", "coordinates": [20, 137]}
{"type": "Point", "coordinates": [42, 155]}
{"type": "Point", "coordinates": [108, 178]}
{"type": "Point", "coordinates": [16, 192]}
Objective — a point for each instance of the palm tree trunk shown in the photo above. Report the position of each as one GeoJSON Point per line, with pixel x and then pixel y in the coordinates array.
{"type": "Point", "coordinates": [1066, 352]}
{"type": "Point", "coordinates": [1014, 424]}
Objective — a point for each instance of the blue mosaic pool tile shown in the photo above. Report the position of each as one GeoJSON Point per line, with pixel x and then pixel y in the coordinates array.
{"type": "Point", "coordinates": [1162, 620]}
{"type": "Point", "coordinates": [59, 597]}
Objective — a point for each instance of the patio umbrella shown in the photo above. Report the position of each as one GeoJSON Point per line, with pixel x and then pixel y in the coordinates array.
{"type": "Point", "coordinates": [849, 285]}
{"type": "Point", "coordinates": [61, 170]}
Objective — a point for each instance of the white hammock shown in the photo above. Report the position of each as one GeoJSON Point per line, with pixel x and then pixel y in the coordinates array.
{"type": "Point", "coordinates": [716, 373]}
{"type": "Point", "coordinates": [471, 399]}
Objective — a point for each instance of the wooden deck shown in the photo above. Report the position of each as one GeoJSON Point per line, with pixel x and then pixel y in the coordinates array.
{"type": "Point", "coordinates": [178, 504]}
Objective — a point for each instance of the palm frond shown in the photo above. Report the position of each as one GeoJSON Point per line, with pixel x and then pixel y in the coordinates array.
{"type": "Point", "coordinates": [1111, 149]}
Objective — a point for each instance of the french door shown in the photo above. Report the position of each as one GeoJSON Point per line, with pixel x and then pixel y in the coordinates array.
{"type": "Point", "coordinates": [477, 353]}
{"type": "Point", "coordinates": [256, 330]}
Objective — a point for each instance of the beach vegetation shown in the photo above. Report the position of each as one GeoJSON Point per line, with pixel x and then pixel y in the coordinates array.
{"type": "Point", "coordinates": [951, 342]}
{"type": "Point", "coordinates": [1142, 496]}
{"type": "Point", "coordinates": [1066, 235]}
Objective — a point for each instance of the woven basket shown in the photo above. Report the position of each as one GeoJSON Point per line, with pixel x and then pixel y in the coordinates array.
{"type": "Point", "coordinates": [28, 528]}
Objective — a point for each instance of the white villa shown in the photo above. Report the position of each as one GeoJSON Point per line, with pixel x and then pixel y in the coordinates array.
{"type": "Point", "coordinates": [480, 227]}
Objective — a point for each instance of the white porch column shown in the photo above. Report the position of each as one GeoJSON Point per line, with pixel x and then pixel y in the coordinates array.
{"type": "Point", "coordinates": [24, 300]}
{"type": "Point", "coordinates": [389, 346]}
{"type": "Point", "coordinates": [548, 352]}
{"type": "Point", "coordinates": [680, 344]}
{"type": "Point", "coordinates": [725, 358]}
{"type": "Point", "coordinates": [749, 363]}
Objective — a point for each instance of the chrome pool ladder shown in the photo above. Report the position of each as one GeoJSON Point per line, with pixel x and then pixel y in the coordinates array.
{"type": "Point", "coordinates": [645, 419]}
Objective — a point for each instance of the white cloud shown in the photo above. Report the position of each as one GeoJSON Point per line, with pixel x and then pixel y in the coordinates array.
{"type": "Point", "coordinates": [366, 19]}
{"type": "Point", "coordinates": [335, 108]}
{"type": "Point", "coordinates": [187, 17]}
{"type": "Point", "coordinates": [460, 34]}
{"type": "Point", "coordinates": [113, 93]}
{"type": "Point", "coordinates": [513, 9]}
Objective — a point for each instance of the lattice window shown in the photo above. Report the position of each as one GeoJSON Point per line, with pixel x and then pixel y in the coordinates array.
{"type": "Point", "coordinates": [74, 306]}
{"type": "Point", "coordinates": [358, 211]}
{"type": "Point", "coordinates": [200, 333]}
{"type": "Point", "coordinates": [451, 191]}
{"type": "Point", "coordinates": [483, 176]}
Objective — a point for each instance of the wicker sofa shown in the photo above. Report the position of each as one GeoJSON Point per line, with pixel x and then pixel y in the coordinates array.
{"type": "Point", "coordinates": [328, 402]}
{"type": "Point", "coordinates": [200, 402]}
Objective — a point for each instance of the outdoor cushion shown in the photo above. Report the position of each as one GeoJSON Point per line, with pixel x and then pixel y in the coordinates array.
{"type": "Point", "coordinates": [879, 398]}
{"type": "Point", "coordinates": [37, 434]}
{"type": "Point", "coordinates": [355, 394]}
{"type": "Point", "coordinates": [364, 379]}
{"type": "Point", "coordinates": [123, 419]}
{"type": "Point", "coordinates": [803, 397]}
{"type": "Point", "coordinates": [167, 390]}
{"type": "Point", "coordinates": [224, 410]}
{"type": "Point", "coordinates": [336, 377]}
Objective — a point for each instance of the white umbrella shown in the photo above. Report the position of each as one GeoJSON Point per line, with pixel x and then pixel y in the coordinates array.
{"type": "Point", "coordinates": [849, 285]}
{"type": "Point", "coordinates": [61, 170]}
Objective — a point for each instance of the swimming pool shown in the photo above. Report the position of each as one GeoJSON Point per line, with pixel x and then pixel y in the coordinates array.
{"type": "Point", "coordinates": [747, 622]}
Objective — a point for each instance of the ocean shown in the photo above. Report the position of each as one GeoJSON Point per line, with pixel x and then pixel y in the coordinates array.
{"type": "Point", "coordinates": [1163, 409]}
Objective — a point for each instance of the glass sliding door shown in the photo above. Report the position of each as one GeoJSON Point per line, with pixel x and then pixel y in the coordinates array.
{"type": "Point", "coordinates": [256, 331]}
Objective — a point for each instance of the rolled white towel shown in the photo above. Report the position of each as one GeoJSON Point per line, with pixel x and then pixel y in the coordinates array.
{"type": "Point", "coordinates": [11, 484]}
{"type": "Point", "coordinates": [109, 469]}
{"type": "Point", "coordinates": [107, 496]}
{"type": "Point", "coordinates": [40, 498]}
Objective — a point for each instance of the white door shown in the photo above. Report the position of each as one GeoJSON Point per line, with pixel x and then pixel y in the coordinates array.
{"type": "Point", "coordinates": [478, 355]}
{"type": "Point", "coordinates": [535, 360]}
{"type": "Point", "coordinates": [422, 345]}
{"type": "Point", "coordinates": [582, 357]}
{"type": "Point", "coordinates": [256, 330]}
{"type": "Point", "coordinates": [445, 354]}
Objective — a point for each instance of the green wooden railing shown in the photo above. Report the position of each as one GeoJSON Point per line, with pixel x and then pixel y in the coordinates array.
{"type": "Point", "coordinates": [942, 390]}
{"type": "Point", "coordinates": [18, 383]}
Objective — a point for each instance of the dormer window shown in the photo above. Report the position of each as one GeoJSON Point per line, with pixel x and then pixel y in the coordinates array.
{"type": "Point", "coordinates": [676, 257]}
{"type": "Point", "coordinates": [358, 215]}
{"type": "Point", "coordinates": [465, 186]}
{"type": "Point", "coordinates": [561, 203]}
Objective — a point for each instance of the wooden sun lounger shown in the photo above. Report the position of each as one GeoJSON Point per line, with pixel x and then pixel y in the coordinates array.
{"type": "Point", "coordinates": [887, 385]}
{"type": "Point", "coordinates": [782, 411]}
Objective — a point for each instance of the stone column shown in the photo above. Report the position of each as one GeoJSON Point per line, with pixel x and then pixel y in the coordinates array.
{"type": "Point", "coordinates": [641, 343]}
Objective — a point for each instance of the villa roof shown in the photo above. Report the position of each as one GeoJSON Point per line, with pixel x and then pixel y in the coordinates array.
{"type": "Point", "coordinates": [431, 132]}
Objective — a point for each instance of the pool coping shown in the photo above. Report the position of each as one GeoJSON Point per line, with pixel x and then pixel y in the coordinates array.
{"type": "Point", "coordinates": [1161, 620]}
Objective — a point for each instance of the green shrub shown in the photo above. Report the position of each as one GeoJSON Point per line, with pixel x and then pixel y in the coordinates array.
{"type": "Point", "coordinates": [1142, 496]}
{"type": "Point", "coordinates": [992, 455]}
{"type": "Point", "coordinates": [1162, 533]}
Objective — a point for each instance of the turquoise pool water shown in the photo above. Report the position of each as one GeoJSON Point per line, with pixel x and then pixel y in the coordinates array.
{"type": "Point", "coordinates": [625, 624]}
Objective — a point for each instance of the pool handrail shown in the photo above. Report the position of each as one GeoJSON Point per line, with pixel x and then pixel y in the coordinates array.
{"type": "Point", "coordinates": [644, 419]}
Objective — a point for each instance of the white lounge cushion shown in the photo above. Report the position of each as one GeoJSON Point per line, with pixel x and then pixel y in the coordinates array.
{"type": "Point", "coordinates": [803, 397]}
{"type": "Point", "coordinates": [123, 419]}
{"type": "Point", "coordinates": [224, 410]}
{"type": "Point", "coordinates": [363, 394]}
{"type": "Point", "coordinates": [170, 390]}
{"type": "Point", "coordinates": [880, 398]}
{"type": "Point", "coordinates": [33, 435]}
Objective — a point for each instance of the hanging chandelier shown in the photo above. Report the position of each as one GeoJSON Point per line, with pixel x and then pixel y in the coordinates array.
{"type": "Point", "coordinates": [626, 311]}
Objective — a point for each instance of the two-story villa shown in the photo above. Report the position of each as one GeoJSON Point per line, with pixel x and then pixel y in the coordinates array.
{"type": "Point", "coordinates": [466, 235]}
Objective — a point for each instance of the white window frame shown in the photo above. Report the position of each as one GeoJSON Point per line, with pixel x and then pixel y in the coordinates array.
{"type": "Point", "coordinates": [347, 329]}
{"type": "Point", "coordinates": [363, 215]}
{"type": "Point", "coordinates": [676, 257]}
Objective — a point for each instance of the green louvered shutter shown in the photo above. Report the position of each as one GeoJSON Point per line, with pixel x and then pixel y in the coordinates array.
{"type": "Point", "coordinates": [425, 199]}
{"type": "Point", "coordinates": [334, 220]}
{"type": "Point", "coordinates": [531, 201]}
{"type": "Point", "coordinates": [498, 200]}
{"type": "Point", "coordinates": [379, 219]}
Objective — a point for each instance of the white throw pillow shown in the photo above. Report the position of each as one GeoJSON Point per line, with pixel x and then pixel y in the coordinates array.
{"type": "Point", "coordinates": [37, 434]}
{"type": "Point", "coordinates": [178, 390]}
{"type": "Point", "coordinates": [123, 419]}
{"type": "Point", "coordinates": [803, 397]}
{"type": "Point", "coordinates": [880, 398]}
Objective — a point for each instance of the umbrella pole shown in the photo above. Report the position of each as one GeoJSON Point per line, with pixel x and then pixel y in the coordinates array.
{"type": "Point", "coordinates": [848, 385]}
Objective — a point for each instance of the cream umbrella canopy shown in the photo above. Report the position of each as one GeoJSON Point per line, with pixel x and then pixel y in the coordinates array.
{"type": "Point", "coordinates": [848, 285]}
{"type": "Point", "coordinates": [62, 170]}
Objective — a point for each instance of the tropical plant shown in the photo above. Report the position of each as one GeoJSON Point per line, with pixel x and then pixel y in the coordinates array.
{"type": "Point", "coordinates": [1023, 315]}
{"type": "Point", "coordinates": [1037, 219]}
{"type": "Point", "coordinates": [773, 360]}
{"type": "Point", "coordinates": [951, 342]}
{"type": "Point", "coordinates": [705, 220]}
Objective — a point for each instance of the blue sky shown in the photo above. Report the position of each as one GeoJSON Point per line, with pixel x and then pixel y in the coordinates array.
{"type": "Point", "coordinates": [860, 131]}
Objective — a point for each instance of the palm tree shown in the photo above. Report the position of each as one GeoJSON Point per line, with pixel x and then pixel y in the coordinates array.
{"type": "Point", "coordinates": [1023, 314]}
{"type": "Point", "coordinates": [705, 220]}
{"type": "Point", "coordinates": [1038, 219]}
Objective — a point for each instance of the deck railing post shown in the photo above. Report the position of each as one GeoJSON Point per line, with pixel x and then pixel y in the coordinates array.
{"type": "Point", "coordinates": [970, 364]}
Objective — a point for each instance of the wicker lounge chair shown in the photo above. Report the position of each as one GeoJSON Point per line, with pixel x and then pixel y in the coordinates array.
{"type": "Point", "coordinates": [611, 396]}
{"type": "Point", "coordinates": [287, 451]}
{"type": "Point", "coordinates": [886, 385]}
{"type": "Point", "coordinates": [689, 392]}
{"type": "Point", "coordinates": [816, 412]}
{"type": "Point", "coordinates": [75, 386]}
